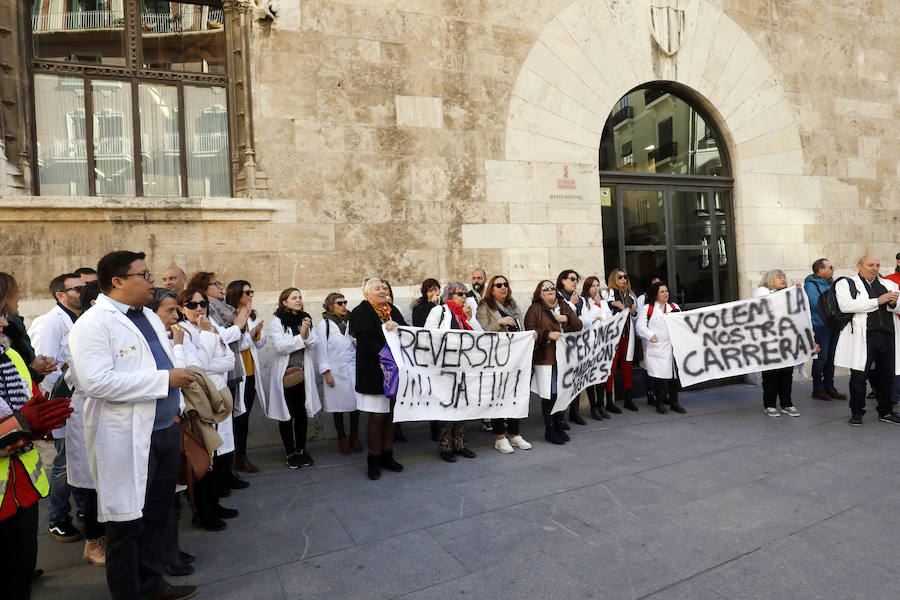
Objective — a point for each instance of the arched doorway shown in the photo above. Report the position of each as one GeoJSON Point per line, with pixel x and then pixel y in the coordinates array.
{"type": "Point", "coordinates": [666, 196]}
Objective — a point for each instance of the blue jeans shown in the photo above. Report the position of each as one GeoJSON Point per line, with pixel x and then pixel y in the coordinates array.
{"type": "Point", "coordinates": [59, 487]}
{"type": "Point", "coordinates": [823, 365]}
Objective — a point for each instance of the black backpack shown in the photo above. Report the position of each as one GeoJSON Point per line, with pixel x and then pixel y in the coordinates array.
{"type": "Point", "coordinates": [828, 309]}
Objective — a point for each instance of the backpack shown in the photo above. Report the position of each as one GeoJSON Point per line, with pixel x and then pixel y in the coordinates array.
{"type": "Point", "coordinates": [828, 309]}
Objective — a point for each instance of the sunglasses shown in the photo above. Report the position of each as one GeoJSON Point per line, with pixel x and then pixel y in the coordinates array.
{"type": "Point", "coordinates": [623, 276]}
{"type": "Point", "coordinates": [501, 284]}
{"type": "Point", "coordinates": [549, 288]}
{"type": "Point", "coordinates": [248, 292]}
{"type": "Point", "coordinates": [341, 302]}
{"type": "Point", "coordinates": [74, 287]}
{"type": "Point", "coordinates": [218, 284]}
{"type": "Point", "coordinates": [460, 294]}
{"type": "Point", "coordinates": [572, 278]}
{"type": "Point", "coordinates": [194, 305]}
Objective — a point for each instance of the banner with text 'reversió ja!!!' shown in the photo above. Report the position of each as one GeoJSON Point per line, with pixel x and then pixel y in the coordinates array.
{"type": "Point", "coordinates": [584, 358]}
{"type": "Point", "coordinates": [760, 334]}
{"type": "Point", "coordinates": [455, 375]}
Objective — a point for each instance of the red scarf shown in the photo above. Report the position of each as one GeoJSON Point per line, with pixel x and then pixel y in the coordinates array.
{"type": "Point", "coordinates": [457, 311]}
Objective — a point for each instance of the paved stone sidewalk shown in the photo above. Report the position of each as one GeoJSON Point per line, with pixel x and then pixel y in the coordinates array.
{"type": "Point", "coordinates": [722, 503]}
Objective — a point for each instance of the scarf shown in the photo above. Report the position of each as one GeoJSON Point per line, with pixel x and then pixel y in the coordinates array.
{"type": "Point", "coordinates": [457, 311]}
{"type": "Point", "coordinates": [383, 312]}
{"type": "Point", "coordinates": [341, 323]}
{"type": "Point", "coordinates": [223, 314]}
{"type": "Point", "coordinates": [548, 305]}
{"type": "Point", "coordinates": [568, 296]}
{"type": "Point", "coordinates": [290, 320]}
{"type": "Point", "coordinates": [13, 390]}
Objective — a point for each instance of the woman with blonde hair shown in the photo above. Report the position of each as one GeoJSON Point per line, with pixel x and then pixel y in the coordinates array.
{"type": "Point", "coordinates": [366, 321]}
{"type": "Point", "coordinates": [620, 297]}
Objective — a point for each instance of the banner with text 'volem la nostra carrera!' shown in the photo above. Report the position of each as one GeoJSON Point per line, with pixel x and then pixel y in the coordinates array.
{"type": "Point", "coordinates": [760, 334]}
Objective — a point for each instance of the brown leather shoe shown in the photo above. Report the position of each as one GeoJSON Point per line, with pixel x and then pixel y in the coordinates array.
{"type": "Point", "coordinates": [343, 447]}
{"type": "Point", "coordinates": [821, 395]}
{"type": "Point", "coordinates": [836, 394]}
{"type": "Point", "coordinates": [242, 463]}
{"type": "Point", "coordinates": [354, 443]}
{"type": "Point", "coordinates": [175, 592]}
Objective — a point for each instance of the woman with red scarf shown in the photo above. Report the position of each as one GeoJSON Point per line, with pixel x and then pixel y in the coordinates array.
{"type": "Point", "coordinates": [453, 314]}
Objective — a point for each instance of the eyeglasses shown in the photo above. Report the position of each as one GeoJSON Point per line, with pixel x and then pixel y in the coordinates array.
{"type": "Point", "coordinates": [501, 284]}
{"type": "Point", "coordinates": [341, 302]}
{"type": "Point", "coordinates": [623, 276]}
{"type": "Point", "coordinates": [218, 284]}
{"type": "Point", "coordinates": [248, 292]}
{"type": "Point", "coordinates": [460, 294]}
{"type": "Point", "coordinates": [548, 288]}
{"type": "Point", "coordinates": [144, 274]}
{"type": "Point", "coordinates": [74, 287]}
{"type": "Point", "coordinates": [194, 305]}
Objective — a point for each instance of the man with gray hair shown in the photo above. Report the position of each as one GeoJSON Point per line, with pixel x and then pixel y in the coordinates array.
{"type": "Point", "coordinates": [871, 337]}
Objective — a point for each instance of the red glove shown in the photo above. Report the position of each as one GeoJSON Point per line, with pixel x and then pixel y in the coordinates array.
{"type": "Point", "coordinates": [44, 416]}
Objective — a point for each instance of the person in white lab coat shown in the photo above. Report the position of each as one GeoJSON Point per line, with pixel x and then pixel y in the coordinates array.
{"type": "Point", "coordinates": [336, 357]}
{"type": "Point", "coordinates": [872, 336]}
{"type": "Point", "coordinates": [216, 359]}
{"type": "Point", "coordinates": [239, 294]}
{"type": "Point", "coordinates": [294, 343]}
{"type": "Point", "coordinates": [595, 309]}
{"type": "Point", "coordinates": [658, 358]}
{"type": "Point", "coordinates": [122, 360]}
{"type": "Point", "coordinates": [49, 335]}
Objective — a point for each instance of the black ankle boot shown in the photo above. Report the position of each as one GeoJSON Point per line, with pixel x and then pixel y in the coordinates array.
{"type": "Point", "coordinates": [551, 434]}
{"type": "Point", "coordinates": [596, 414]}
{"type": "Point", "coordinates": [651, 401]}
{"type": "Point", "coordinates": [575, 412]}
{"type": "Point", "coordinates": [374, 467]}
{"type": "Point", "coordinates": [387, 461]}
{"type": "Point", "coordinates": [611, 404]}
{"type": "Point", "coordinates": [559, 423]}
{"type": "Point", "coordinates": [675, 406]}
{"type": "Point", "coordinates": [629, 403]}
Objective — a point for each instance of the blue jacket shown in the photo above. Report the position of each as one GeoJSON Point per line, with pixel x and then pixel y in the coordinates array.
{"type": "Point", "coordinates": [814, 286]}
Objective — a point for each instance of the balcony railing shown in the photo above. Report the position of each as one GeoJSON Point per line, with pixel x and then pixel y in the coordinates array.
{"type": "Point", "coordinates": [69, 148]}
{"type": "Point", "coordinates": [210, 142]}
{"type": "Point", "coordinates": [112, 146]}
{"type": "Point", "coordinates": [206, 19]}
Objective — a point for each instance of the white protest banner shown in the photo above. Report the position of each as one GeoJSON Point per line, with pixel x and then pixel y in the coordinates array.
{"type": "Point", "coordinates": [584, 358]}
{"type": "Point", "coordinates": [456, 375]}
{"type": "Point", "coordinates": [745, 336]}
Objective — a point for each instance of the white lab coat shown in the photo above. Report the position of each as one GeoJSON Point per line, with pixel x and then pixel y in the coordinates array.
{"type": "Point", "coordinates": [49, 334]}
{"type": "Point", "coordinates": [284, 342]}
{"type": "Point", "coordinates": [115, 368]}
{"type": "Point", "coordinates": [336, 352]}
{"type": "Point", "coordinates": [610, 296]}
{"type": "Point", "coordinates": [592, 311]}
{"type": "Point", "coordinates": [78, 469]}
{"type": "Point", "coordinates": [441, 317]}
{"type": "Point", "coordinates": [216, 359]}
{"type": "Point", "coordinates": [851, 349]}
{"type": "Point", "coordinates": [253, 345]}
{"type": "Point", "coordinates": [658, 358]}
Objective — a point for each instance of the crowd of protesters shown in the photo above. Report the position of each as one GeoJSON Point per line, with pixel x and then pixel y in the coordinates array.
{"type": "Point", "coordinates": [146, 391]}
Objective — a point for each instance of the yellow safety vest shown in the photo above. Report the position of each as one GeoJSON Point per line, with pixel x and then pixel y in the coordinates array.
{"type": "Point", "coordinates": [31, 460]}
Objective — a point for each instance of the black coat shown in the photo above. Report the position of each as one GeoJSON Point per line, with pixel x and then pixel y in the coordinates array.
{"type": "Point", "coordinates": [420, 312]}
{"type": "Point", "coordinates": [365, 326]}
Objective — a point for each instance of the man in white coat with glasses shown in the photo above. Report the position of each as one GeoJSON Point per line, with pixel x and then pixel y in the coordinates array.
{"type": "Point", "coordinates": [123, 362]}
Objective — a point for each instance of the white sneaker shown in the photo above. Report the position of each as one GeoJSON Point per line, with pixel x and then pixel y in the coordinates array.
{"type": "Point", "coordinates": [773, 412]}
{"type": "Point", "coordinates": [519, 442]}
{"type": "Point", "coordinates": [791, 411]}
{"type": "Point", "coordinates": [502, 444]}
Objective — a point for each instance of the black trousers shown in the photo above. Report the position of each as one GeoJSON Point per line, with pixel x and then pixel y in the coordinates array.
{"type": "Point", "coordinates": [880, 351]}
{"type": "Point", "coordinates": [172, 551]}
{"type": "Point", "coordinates": [777, 385]}
{"type": "Point", "coordinates": [242, 423]}
{"type": "Point", "coordinates": [92, 529]}
{"type": "Point", "coordinates": [501, 426]}
{"type": "Point", "coordinates": [18, 553]}
{"type": "Point", "coordinates": [339, 423]}
{"type": "Point", "coordinates": [293, 432]}
{"type": "Point", "coordinates": [135, 550]}
{"type": "Point", "coordinates": [666, 390]}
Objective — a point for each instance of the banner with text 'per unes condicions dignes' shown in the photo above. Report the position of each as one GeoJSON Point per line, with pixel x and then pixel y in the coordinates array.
{"type": "Point", "coordinates": [455, 375]}
{"type": "Point", "coordinates": [584, 358]}
{"type": "Point", "coordinates": [725, 340]}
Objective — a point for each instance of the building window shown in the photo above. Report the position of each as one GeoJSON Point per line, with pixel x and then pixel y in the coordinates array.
{"type": "Point", "coordinates": [670, 214]}
{"type": "Point", "coordinates": [130, 98]}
